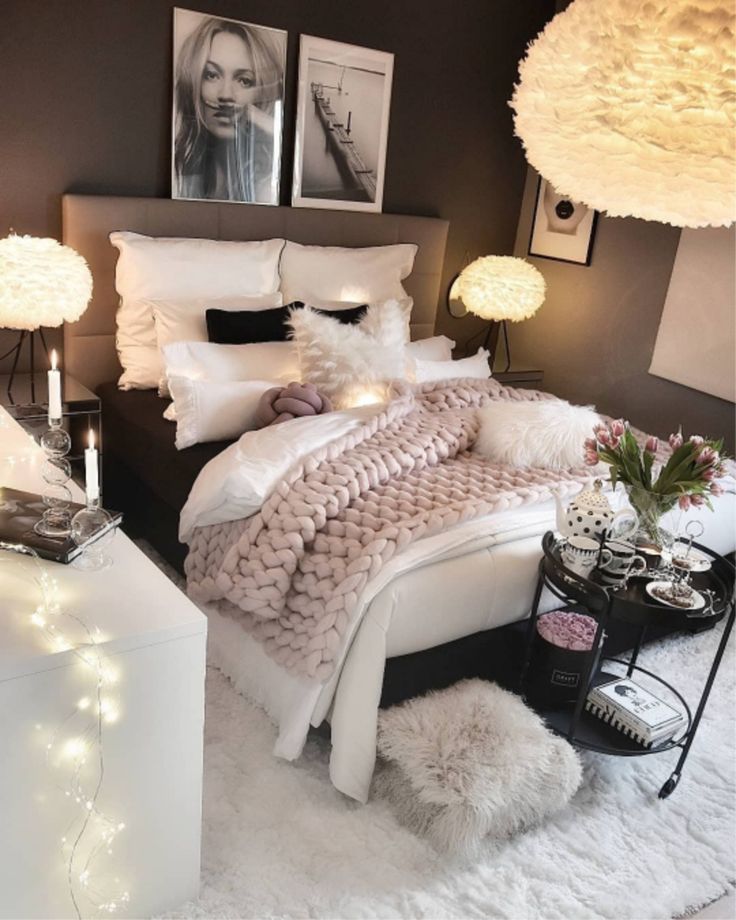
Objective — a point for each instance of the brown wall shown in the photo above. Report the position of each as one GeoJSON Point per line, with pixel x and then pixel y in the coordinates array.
{"type": "Point", "coordinates": [85, 92]}
{"type": "Point", "coordinates": [85, 106]}
{"type": "Point", "coordinates": [595, 333]}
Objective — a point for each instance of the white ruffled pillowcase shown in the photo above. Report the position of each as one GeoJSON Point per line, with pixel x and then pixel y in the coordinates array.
{"type": "Point", "coordinates": [216, 388]}
{"type": "Point", "coordinates": [214, 410]}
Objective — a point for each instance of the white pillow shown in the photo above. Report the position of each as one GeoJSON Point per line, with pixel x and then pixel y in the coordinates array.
{"type": "Point", "coordinates": [436, 348]}
{"type": "Point", "coordinates": [185, 320]}
{"type": "Point", "coordinates": [213, 410]}
{"type": "Point", "coordinates": [209, 361]}
{"type": "Point", "coordinates": [316, 274]}
{"type": "Point", "coordinates": [163, 268]}
{"type": "Point", "coordinates": [352, 364]}
{"type": "Point", "coordinates": [548, 433]}
{"type": "Point", "coordinates": [476, 366]}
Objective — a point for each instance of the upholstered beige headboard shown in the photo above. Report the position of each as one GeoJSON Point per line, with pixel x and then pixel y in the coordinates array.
{"type": "Point", "coordinates": [89, 344]}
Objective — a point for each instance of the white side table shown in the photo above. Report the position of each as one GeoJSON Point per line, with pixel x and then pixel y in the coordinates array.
{"type": "Point", "coordinates": [155, 638]}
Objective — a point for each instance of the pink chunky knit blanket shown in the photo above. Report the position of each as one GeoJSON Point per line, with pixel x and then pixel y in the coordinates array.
{"type": "Point", "coordinates": [294, 572]}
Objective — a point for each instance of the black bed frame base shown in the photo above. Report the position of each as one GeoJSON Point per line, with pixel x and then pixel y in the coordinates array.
{"type": "Point", "coordinates": [145, 515]}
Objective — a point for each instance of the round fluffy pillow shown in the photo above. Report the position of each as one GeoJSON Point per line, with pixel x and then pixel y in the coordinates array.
{"type": "Point", "coordinates": [279, 404]}
{"type": "Point", "coordinates": [546, 433]}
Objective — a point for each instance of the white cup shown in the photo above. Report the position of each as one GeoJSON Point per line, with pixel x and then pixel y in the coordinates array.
{"type": "Point", "coordinates": [580, 555]}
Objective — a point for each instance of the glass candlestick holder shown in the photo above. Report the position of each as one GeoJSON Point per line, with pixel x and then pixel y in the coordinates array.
{"type": "Point", "coordinates": [91, 528]}
{"type": "Point", "coordinates": [56, 473]}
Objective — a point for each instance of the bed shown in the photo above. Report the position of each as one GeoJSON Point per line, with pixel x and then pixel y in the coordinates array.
{"type": "Point", "coordinates": [448, 607]}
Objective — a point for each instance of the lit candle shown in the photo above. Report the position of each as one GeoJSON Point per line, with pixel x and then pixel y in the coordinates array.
{"type": "Point", "coordinates": [54, 376]}
{"type": "Point", "coordinates": [91, 474]}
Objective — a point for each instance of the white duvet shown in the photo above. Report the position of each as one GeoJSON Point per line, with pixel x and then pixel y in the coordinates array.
{"type": "Point", "coordinates": [235, 483]}
{"type": "Point", "coordinates": [471, 578]}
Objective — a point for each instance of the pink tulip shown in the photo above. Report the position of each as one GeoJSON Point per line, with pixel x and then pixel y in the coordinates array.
{"type": "Point", "coordinates": [652, 445]}
{"type": "Point", "coordinates": [615, 441]}
{"type": "Point", "coordinates": [696, 440]}
{"type": "Point", "coordinates": [707, 455]}
{"type": "Point", "coordinates": [676, 440]}
{"type": "Point", "coordinates": [716, 489]}
{"type": "Point", "coordinates": [604, 437]}
{"type": "Point", "coordinates": [697, 501]}
{"type": "Point", "coordinates": [601, 426]}
{"type": "Point", "coordinates": [591, 457]}
{"type": "Point", "coordinates": [684, 502]}
{"type": "Point", "coordinates": [708, 474]}
{"type": "Point", "coordinates": [618, 427]}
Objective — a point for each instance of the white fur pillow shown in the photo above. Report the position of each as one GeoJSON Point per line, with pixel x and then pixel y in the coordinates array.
{"type": "Point", "coordinates": [352, 364]}
{"type": "Point", "coordinates": [548, 434]}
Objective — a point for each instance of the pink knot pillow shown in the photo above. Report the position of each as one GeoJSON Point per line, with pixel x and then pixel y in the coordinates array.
{"type": "Point", "coordinates": [279, 404]}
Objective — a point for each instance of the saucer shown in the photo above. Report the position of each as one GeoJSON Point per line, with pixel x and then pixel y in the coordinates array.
{"type": "Point", "coordinates": [696, 560]}
{"type": "Point", "coordinates": [696, 598]}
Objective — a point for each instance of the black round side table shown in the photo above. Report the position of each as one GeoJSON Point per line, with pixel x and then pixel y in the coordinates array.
{"type": "Point", "coordinates": [632, 605]}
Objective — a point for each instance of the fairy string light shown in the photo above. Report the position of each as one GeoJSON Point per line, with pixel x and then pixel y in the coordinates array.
{"type": "Point", "coordinates": [77, 745]}
{"type": "Point", "coordinates": [27, 455]}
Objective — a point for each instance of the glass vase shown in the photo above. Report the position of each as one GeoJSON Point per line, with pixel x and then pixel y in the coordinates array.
{"type": "Point", "coordinates": [651, 507]}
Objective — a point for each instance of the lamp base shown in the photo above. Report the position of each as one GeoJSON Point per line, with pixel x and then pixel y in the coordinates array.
{"type": "Point", "coordinates": [491, 343]}
{"type": "Point", "coordinates": [24, 335]}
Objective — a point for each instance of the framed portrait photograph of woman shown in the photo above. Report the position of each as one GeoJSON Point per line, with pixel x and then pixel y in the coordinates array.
{"type": "Point", "coordinates": [228, 109]}
{"type": "Point", "coordinates": [341, 125]}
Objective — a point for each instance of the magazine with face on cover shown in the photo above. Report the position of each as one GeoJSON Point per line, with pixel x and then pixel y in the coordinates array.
{"type": "Point", "coordinates": [635, 705]}
{"type": "Point", "coordinates": [627, 725]}
{"type": "Point", "coordinates": [20, 512]}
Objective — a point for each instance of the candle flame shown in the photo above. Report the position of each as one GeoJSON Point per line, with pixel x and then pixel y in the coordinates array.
{"type": "Point", "coordinates": [53, 359]}
{"type": "Point", "coordinates": [91, 438]}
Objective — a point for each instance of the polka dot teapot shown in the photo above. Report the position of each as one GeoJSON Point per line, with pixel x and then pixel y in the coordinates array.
{"type": "Point", "coordinates": [591, 515]}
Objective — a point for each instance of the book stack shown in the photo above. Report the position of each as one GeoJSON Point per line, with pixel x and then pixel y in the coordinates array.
{"type": "Point", "coordinates": [635, 711]}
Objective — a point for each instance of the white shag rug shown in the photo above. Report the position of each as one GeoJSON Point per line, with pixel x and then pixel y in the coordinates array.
{"type": "Point", "coordinates": [280, 841]}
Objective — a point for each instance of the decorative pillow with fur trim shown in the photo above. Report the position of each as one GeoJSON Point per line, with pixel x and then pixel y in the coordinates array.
{"type": "Point", "coordinates": [352, 365]}
{"type": "Point", "coordinates": [549, 434]}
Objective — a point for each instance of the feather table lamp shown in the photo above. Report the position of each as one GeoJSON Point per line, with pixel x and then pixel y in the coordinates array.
{"type": "Point", "coordinates": [42, 283]}
{"type": "Point", "coordinates": [500, 288]}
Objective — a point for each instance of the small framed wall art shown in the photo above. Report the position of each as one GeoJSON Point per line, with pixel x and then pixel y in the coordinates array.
{"type": "Point", "coordinates": [341, 125]}
{"type": "Point", "coordinates": [561, 229]}
{"type": "Point", "coordinates": [228, 109]}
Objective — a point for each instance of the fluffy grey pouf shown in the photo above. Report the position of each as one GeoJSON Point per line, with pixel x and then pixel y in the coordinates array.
{"type": "Point", "coordinates": [469, 762]}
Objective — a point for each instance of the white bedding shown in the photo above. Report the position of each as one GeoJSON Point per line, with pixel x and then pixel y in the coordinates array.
{"type": "Point", "coordinates": [470, 578]}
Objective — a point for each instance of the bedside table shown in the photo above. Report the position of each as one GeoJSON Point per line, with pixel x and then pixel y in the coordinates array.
{"type": "Point", "coordinates": [531, 380]}
{"type": "Point", "coordinates": [155, 639]}
{"type": "Point", "coordinates": [81, 410]}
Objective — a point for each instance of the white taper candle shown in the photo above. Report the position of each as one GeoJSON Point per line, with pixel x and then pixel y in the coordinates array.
{"type": "Point", "coordinates": [54, 376]}
{"type": "Point", "coordinates": [91, 472]}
